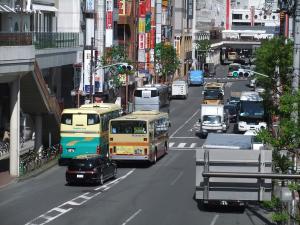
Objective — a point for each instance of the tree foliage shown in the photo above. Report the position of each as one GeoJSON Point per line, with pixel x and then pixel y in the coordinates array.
{"type": "Point", "coordinates": [203, 46]}
{"type": "Point", "coordinates": [274, 52]}
{"type": "Point", "coordinates": [166, 60]}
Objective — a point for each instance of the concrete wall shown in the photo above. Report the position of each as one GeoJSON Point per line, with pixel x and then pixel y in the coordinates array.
{"type": "Point", "coordinates": [68, 16]}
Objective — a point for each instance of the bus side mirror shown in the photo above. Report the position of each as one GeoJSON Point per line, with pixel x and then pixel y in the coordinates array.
{"type": "Point", "coordinates": [169, 124]}
{"type": "Point", "coordinates": [199, 120]}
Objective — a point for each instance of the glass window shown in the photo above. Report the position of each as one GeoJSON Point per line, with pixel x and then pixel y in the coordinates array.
{"type": "Point", "coordinates": [138, 93]}
{"type": "Point", "coordinates": [129, 127]}
{"type": "Point", "coordinates": [93, 119]}
{"type": "Point", "coordinates": [67, 118]}
{"type": "Point", "coordinates": [212, 119]}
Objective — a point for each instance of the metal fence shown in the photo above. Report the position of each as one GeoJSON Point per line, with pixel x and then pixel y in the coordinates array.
{"type": "Point", "coordinates": [40, 40]}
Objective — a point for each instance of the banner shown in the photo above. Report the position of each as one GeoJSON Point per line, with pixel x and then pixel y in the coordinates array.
{"type": "Point", "coordinates": [122, 7]}
{"type": "Point", "coordinates": [109, 24]}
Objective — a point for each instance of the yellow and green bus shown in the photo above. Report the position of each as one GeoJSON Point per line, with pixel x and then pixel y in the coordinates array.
{"type": "Point", "coordinates": [84, 130]}
{"type": "Point", "coordinates": [139, 136]}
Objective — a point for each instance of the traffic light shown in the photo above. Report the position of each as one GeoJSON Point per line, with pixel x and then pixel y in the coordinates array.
{"type": "Point", "coordinates": [235, 74]}
{"type": "Point", "coordinates": [124, 67]}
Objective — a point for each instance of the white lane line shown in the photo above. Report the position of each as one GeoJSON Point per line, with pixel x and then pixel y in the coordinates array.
{"type": "Point", "coordinates": [185, 123]}
{"type": "Point", "coordinates": [65, 207]}
{"type": "Point", "coordinates": [213, 222]}
{"type": "Point", "coordinates": [132, 217]}
{"type": "Point", "coordinates": [171, 144]}
{"type": "Point", "coordinates": [193, 145]}
{"type": "Point", "coordinates": [177, 178]}
{"type": "Point", "coordinates": [181, 145]}
{"type": "Point", "coordinates": [114, 181]}
{"type": "Point", "coordinates": [183, 149]}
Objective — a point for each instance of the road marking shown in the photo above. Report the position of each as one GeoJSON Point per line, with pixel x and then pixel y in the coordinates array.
{"type": "Point", "coordinates": [181, 145]}
{"type": "Point", "coordinates": [183, 149]}
{"type": "Point", "coordinates": [132, 217]}
{"type": "Point", "coordinates": [193, 145]}
{"type": "Point", "coordinates": [177, 178]}
{"type": "Point", "coordinates": [213, 222]}
{"type": "Point", "coordinates": [184, 123]}
{"type": "Point", "coordinates": [77, 201]}
{"type": "Point", "coordinates": [171, 144]}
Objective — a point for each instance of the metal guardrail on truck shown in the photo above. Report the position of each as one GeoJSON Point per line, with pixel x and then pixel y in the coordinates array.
{"type": "Point", "coordinates": [226, 155]}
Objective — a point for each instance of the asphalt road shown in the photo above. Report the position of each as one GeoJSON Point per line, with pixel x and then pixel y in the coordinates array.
{"type": "Point", "coordinates": [141, 195]}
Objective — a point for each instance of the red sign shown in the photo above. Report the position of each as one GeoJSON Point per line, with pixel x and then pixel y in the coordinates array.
{"type": "Point", "coordinates": [148, 40]}
{"type": "Point", "coordinates": [152, 38]}
{"type": "Point", "coordinates": [148, 6]}
{"type": "Point", "coordinates": [109, 19]}
{"type": "Point", "coordinates": [141, 41]}
{"type": "Point", "coordinates": [142, 9]}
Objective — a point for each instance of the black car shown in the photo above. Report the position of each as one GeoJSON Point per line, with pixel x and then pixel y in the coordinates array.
{"type": "Point", "coordinates": [234, 100]}
{"type": "Point", "coordinates": [90, 168]}
{"type": "Point", "coordinates": [232, 111]}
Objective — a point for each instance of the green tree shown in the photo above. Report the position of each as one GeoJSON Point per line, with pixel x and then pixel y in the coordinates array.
{"type": "Point", "coordinates": [166, 60]}
{"type": "Point", "coordinates": [116, 54]}
{"type": "Point", "coordinates": [202, 49]}
{"type": "Point", "coordinates": [274, 52]}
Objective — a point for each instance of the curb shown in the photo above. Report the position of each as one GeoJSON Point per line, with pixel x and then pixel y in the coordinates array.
{"type": "Point", "coordinates": [38, 171]}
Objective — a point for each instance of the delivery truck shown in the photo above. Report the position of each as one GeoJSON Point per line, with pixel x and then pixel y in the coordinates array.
{"type": "Point", "coordinates": [213, 119]}
{"type": "Point", "coordinates": [218, 162]}
{"type": "Point", "coordinates": [180, 89]}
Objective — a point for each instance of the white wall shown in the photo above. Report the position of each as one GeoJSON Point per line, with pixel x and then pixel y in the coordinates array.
{"type": "Point", "coordinates": [68, 16]}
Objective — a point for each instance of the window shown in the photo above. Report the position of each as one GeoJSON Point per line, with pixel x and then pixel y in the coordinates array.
{"type": "Point", "coordinates": [129, 127]}
{"type": "Point", "coordinates": [265, 17]}
{"type": "Point", "coordinates": [273, 17]}
{"type": "Point", "coordinates": [67, 118]}
{"type": "Point", "coordinates": [237, 16]}
{"type": "Point", "coordinates": [255, 16]}
{"type": "Point", "coordinates": [105, 120]}
{"type": "Point", "coordinates": [246, 16]}
{"type": "Point", "coordinates": [93, 119]}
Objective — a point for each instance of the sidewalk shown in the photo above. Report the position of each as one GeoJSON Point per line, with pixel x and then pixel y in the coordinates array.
{"type": "Point", "coordinates": [6, 179]}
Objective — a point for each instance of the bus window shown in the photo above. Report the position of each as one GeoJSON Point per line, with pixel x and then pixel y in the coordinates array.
{"type": "Point", "coordinates": [128, 127]}
{"type": "Point", "coordinates": [92, 119]}
{"type": "Point", "coordinates": [138, 93]}
{"type": "Point", "coordinates": [67, 119]}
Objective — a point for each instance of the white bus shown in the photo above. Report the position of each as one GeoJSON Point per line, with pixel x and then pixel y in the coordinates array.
{"type": "Point", "coordinates": [252, 114]}
{"type": "Point", "coordinates": [152, 97]}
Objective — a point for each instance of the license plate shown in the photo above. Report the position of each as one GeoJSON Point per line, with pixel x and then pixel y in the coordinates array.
{"type": "Point", "coordinates": [71, 150]}
{"type": "Point", "coordinates": [79, 175]}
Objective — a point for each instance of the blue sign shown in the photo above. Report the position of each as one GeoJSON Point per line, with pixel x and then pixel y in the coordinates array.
{"type": "Point", "coordinates": [90, 5]}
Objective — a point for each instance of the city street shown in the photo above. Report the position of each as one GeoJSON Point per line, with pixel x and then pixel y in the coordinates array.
{"type": "Point", "coordinates": [141, 195]}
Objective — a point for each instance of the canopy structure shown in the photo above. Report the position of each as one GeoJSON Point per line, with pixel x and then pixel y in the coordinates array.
{"type": "Point", "coordinates": [6, 9]}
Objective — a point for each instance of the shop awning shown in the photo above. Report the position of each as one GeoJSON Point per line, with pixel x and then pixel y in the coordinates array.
{"type": "Point", "coordinates": [6, 9]}
{"type": "Point", "coordinates": [37, 7]}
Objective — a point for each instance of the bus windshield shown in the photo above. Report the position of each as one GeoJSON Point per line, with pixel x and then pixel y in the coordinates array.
{"type": "Point", "coordinates": [128, 127]}
{"type": "Point", "coordinates": [254, 109]}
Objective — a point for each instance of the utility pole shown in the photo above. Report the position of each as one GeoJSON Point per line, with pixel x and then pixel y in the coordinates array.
{"type": "Point", "coordinates": [194, 34]}
{"type": "Point", "coordinates": [295, 82]}
{"type": "Point", "coordinates": [91, 70]}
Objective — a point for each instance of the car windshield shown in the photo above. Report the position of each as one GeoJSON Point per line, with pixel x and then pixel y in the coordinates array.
{"type": "Point", "coordinates": [213, 94]}
{"type": "Point", "coordinates": [234, 99]}
{"type": "Point", "coordinates": [129, 127]}
{"type": "Point", "coordinates": [212, 119]}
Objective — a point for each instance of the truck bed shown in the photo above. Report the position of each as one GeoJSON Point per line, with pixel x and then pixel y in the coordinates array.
{"type": "Point", "coordinates": [230, 159]}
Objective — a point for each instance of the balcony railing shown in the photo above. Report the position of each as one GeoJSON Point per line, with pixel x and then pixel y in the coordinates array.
{"type": "Point", "coordinates": [40, 40]}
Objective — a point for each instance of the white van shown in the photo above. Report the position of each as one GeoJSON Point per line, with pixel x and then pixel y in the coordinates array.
{"type": "Point", "coordinates": [180, 89]}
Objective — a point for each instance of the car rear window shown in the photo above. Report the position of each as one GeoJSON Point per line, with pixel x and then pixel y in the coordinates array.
{"type": "Point", "coordinates": [83, 164]}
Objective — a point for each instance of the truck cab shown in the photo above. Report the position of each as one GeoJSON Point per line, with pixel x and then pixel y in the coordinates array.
{"type": "Point", "coordinates": [213, 93]}
{"type": "Point", "coordinates": [214, 119]}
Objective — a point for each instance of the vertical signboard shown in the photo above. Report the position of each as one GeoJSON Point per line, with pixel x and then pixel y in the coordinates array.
{"type": "Point", "coordinates": [109, 23]}
{"type": "Point", "coordinates": [190, 9]}
{"type": "Point", "coordinates": [122, 7]}
{"type": "Point", "coordinates": [90, 31]}
{"type": "Point", "coordinates": [90, 6]}
{"type": "Point", "coordinates": [85, 81]}
{"type": "Point", "coordinates": [141, 41]}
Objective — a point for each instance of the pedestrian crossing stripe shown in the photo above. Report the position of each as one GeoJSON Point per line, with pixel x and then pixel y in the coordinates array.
{"type": "Point", "coordinates": [226, 78]}
{"type": "Point", "coordinates": [182, 145]}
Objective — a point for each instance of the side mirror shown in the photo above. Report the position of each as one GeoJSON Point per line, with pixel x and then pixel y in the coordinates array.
{"type": "Point", "coordinates": [169, 124]}
{"type": "Point", "coordinates": [199, 120]}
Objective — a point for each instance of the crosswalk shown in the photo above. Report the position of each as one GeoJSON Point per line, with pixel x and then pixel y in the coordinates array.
{"type": "Point", "coordinates": [226, 78]}
{"type": "Point", "coordinates": [183, 146]}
